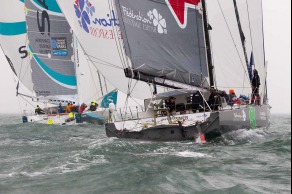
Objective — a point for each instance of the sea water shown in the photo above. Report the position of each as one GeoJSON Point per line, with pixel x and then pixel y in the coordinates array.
{"type": "Point", "coordinates": [81, 159]}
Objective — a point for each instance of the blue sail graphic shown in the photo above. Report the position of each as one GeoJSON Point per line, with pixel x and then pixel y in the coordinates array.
{"type": "Point", "coordinates": [111, 97]}
{"type": "Point", "coordinates": [12, 29]}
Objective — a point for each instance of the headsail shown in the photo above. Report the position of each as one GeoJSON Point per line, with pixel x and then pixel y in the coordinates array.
{"type": "Point", "coordinates": [51, 48]}
{"type": "Point", "coordinates": [228, 54]}
{"type": "Point", "coordinates": [13, 40]}
{"type": "Point", "coordinates": [165, 39]}
{"type": "Point", "coordinates": [96, 25]}
{"type": "Point", "coordinates": [230, 36]}
{"type": "Point", "coordinates": [251, 14]}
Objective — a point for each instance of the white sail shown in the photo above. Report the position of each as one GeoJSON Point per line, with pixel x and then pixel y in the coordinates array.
{"type": "Point", "coordinates": [228, 55]}
{"type": "Point", "coordinates": [97, 28]}
{"type": "Point", "coordinates": [251, 15]}
{"type": "Point", "coordinates": [13, 40]}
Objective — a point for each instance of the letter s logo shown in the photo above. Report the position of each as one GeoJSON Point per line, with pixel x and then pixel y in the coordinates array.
{"type": "Point", "coordinates": [22, 50]}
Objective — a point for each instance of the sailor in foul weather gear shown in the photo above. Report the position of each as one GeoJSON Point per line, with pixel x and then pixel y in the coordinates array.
{"type": "Point", "coordinates": [231, 97]}
{"type": "Point", "coordinates": [39, 111]}
{"type": "Point", "coordinates": [60, 109]}
{"type": "Point", "coordinates": [82, 108]}
{"type": "Point", "coordinates": [68, 108]}
{"type": "Point", "coordinates": [256, 82]}
{"type": "Point", "coordinates": [112, 108]}
{"type": "Point", "coordinates": [213, 99]}
{"type": "Point", "coordinates": [93, 106]}
{"type": "Point", "coordinates": [171, 104]}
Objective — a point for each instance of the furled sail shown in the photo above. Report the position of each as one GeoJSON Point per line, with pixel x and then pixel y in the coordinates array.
{"type": "Point", "coordinates": [13, 40]}
{"type": "Point", "coordinates": [51, 48]}
{"type": "Point", "coordinates": [165, 39]}
{"type": "Point", "coordinates": [96, 25]}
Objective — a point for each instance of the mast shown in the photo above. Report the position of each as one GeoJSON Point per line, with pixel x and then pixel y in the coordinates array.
{"type": "Point", "coordinates": [242, 36]}
{"type": "Point", "coordinates": [208, 44]}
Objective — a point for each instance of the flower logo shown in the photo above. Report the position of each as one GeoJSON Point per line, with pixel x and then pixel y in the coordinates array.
{"type": "Point", "coordinates": [158, 21]}
{"type": "Point", "coordinates": [90, 9]}
{"type": "Point", "coordinates": [82, 9]}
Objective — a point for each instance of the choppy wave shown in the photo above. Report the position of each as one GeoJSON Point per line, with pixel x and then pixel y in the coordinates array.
{"type": "Point", "coordinates": [81, 159]}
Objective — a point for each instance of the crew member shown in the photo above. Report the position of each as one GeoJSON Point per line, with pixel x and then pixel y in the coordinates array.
{"type": "Point", "coordinates": [93, 106]}
{"type": "Point", "coordinates": [61, 110]}
{"type": "Point", "coordinates": [39, 111]}
{"type": "Point", "coordinates": [256, 82]}
{"type": "Point", "coordinates": [68, 108]}
{"type": "Point", "coordinates": [231, 97]}
{"type": "Point", "coordinates": [171, 104]}
{"type": "Point", "coordinates": [82, 108]}
{"type": "Point", "coordinates": [213, 99]}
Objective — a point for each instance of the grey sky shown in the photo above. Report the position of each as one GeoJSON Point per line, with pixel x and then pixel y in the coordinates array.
{"type": "Point", "coordinates": [277, 16]}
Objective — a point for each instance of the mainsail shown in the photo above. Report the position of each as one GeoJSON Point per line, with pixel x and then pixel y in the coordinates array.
{"type": "Point", "coordinates": [51, 48]}
{"type": "Point", "coordinates": [165, 39]}
{"type": "Point", "coordinates": [13, 40]}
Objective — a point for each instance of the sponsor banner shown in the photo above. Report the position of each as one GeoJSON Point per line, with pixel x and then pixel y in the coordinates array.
{"type": "Point", "coordinates": [59, 46]}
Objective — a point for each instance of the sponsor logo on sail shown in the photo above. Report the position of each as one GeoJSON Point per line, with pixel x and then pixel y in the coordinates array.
{"type": "Point", "coordinates": [83, 10]}
{"type": "Point", "coordinates": [93, 23]}
{"type": "Point", "coordinates": [59, 46]}
{"type": "Point", "coordinates": [152, 21]}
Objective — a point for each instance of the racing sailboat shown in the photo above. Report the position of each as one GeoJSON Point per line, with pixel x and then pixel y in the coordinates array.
{"type": "Point", "coordinates": [185, 46]}
{"type": "Point", "coordinates": [47, 62]}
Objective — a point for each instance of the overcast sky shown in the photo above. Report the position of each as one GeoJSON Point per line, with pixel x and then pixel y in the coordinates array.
{"type": "Point", "coordinates": [277, 16]}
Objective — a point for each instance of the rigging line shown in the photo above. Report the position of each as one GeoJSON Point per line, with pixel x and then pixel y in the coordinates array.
{"type": "Point", "coordinates": [20, 106]}
{"type": "Point", "coordinates": [98, 74]}
{"type": "Point", "coordinates": [96, 89]}
{"type": "Point", "coordinates": [96, 66]}
{"type": "Point", "coordinates": [92, 97]}
{"type": "Point", "coordinates": [105, 84]}
{"type": "Point", "coordinates": [103, 62]}
{"type": "Point", "coordinates": [113, 66]}
{"type": "Point", "coordinates": [251, 38]}
{"type": "Point", "coordinates": [243, 84]}
{"type": "Point", "coordinates": [22, 59]}
{"type": "Point", "coordinates": [15, 80]}
{"type": "Point", "coordinates": [127, 101]}
{"type": "Point", "coordinates": [118, 43]}
{"type": "Point", "coordinates": [129, 90]}
{"type": "Point", "coordinates": [232, 38]}
{"type": "Point", "coordinates": [27, 101]}
{"type": "Point", "coordinates": [136, 101]}
{"type": "Point", "coordinates": [134, 86]}
{"type": "Point", "coordinates": [27, 68]}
